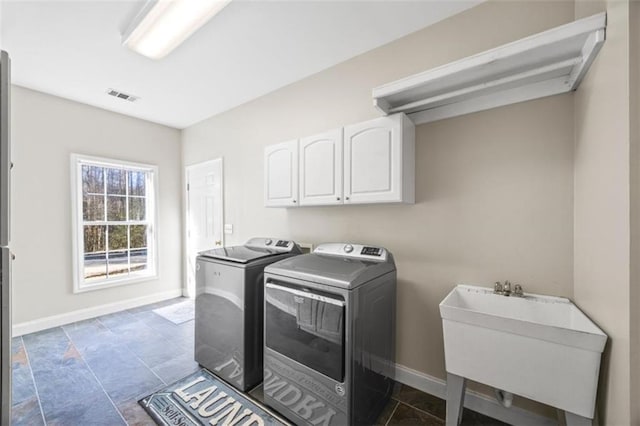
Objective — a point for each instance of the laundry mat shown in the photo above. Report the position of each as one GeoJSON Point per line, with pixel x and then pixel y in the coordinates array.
{"type": "Point", "coordinates": [178, 313]}
{"type": "Point", "coordinates": [203, 399]}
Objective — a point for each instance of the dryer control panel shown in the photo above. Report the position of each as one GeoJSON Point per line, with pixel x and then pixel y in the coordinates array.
{"type": "Point", "coordinates": [356, 251]}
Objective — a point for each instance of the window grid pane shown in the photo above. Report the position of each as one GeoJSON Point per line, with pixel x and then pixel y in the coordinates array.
{"type": "Point", "coordinates": [92, 179]}
{"type": "Point", "coordinates": [95, 267]}
{"type": "Point", "coordinates": [137, 207]}
{"type": "Point", "coordinates": [137, 183]}
{"type": "Point", "coordinates": [93, 207]}
{"type": "Point", "coordinates": [116, 181]}
{"type": "Point", "coordinates": [115, 222]}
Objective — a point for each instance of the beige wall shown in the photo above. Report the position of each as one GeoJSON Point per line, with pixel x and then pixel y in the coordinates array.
{"type": "Point", "coordinates": [634, 112]}
{"type": "Point", "coordinates": [602, 205]}
{"type": "Point", "coordinates": [46, 130]}
{"type": "Point", "coordinates": [494, 190]}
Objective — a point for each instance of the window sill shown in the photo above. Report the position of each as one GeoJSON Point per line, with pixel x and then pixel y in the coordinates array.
{"type": "Point", "coordinates": [100, 285]}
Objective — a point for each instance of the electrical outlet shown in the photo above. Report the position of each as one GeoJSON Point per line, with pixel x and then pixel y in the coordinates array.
{"type": "Point", "coordinates": [228, 228]}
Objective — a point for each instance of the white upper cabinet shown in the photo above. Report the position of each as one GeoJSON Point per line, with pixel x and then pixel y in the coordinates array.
{"type": "Point", "coordinates": [379, 161]}
{"type": "Point", "coordinates": [369, 162]}
{"type": "Point", "coordinates": [321, 169]}
{"type": "Point", "coordinates": [281, 174]}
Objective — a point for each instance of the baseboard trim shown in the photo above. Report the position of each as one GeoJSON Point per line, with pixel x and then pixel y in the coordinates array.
{"type": "Point", "coordinates": [39, 324]}
{"type": "Point", "coordinates": [473, 400]}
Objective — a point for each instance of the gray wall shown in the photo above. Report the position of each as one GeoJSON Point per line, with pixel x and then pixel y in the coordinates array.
{"type": "Point", "coordinates": [494, 190]}
{"type": "Point", "coordinates": [46, 130]}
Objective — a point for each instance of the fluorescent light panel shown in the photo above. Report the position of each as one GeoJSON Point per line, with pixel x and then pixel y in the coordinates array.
{"type": "Point", "coordinates": [163, 24]}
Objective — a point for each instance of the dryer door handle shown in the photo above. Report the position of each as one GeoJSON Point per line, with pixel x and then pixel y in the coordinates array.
{"type": "Point", "coordinates": [306, 294]}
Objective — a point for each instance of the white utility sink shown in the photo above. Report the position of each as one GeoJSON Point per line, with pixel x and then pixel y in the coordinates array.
{"type": "Point", "coordinates": [540, 347]}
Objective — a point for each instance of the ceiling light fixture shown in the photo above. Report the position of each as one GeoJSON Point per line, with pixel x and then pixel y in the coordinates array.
{"type": "Point", "coordinates": [162, 25]}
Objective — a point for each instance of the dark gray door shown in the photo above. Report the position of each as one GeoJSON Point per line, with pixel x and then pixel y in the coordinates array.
{"type": "Point", "coordinates": [306, 326]}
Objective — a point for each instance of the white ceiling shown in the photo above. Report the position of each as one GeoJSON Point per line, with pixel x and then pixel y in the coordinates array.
{"type": "Point", "coordinates": [73, 49]}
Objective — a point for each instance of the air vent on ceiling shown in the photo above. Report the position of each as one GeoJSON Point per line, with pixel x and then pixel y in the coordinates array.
{"type": "Point", "coordinates": [121, 95]}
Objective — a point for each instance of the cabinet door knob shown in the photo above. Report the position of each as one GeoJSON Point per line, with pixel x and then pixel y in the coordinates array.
{"type": "Point", "coordinates": [338, 198]}
{"type": "Point", "coordinates": [346, 198]}
{"type": "Point", "coordinates": [294, 201]}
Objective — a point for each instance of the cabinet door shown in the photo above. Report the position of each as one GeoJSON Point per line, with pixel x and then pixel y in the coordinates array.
{"type": "Point", "coordinates": [373, 161]}
{"type": "Point", "coordinates": [281, 174]}
{"type": "Point", "coordinates": [321, 169]}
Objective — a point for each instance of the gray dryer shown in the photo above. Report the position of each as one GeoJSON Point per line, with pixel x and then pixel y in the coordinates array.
{"type": "Point", "coordinates": [329, 355]}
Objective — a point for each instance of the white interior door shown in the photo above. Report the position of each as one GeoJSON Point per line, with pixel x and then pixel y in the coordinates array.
{"type": "Point", "coordinates": [204, 213]}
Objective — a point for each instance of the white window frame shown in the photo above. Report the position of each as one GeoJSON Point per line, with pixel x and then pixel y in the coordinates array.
{"type": "Point", "coordinates": [151, 272]}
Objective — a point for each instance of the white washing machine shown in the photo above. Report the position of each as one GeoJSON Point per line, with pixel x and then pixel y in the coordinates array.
{"type": "Point", "coordinates": [329, 345]}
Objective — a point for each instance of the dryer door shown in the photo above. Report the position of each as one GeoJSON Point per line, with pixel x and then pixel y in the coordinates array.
{"type": "Point", "coordinates": [307, 326]}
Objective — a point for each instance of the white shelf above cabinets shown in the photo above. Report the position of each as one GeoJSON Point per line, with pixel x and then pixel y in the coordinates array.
{"type": "Point", "coordinates": [544, 64]}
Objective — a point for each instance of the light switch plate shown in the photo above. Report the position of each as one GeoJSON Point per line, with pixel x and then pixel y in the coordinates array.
{"type": "Point", "coordinates": [228, 228]}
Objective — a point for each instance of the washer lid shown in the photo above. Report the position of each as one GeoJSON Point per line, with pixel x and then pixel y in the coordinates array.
{"type": "Point", "coordinates": [239, 254]}
{"type": "Point", "coordinates": [337, 271]}
{"type": "Point", "coordinates": [252, 250]}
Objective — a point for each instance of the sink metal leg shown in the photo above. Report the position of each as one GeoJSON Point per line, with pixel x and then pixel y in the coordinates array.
{"type": "Point", "coordinates": [455, 399]}
{"type": "Point", "coordinates": [576, 420]}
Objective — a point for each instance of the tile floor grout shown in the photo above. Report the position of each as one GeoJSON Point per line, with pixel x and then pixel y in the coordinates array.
{"type": "Point", "coordinates": [126, 410]}
{"type": "Point", "coordinates": [150, 325]}
{"type": "Point", "coordinates": [421, 410]}
{"type": "Point", "coordinates": [133, 353]}
{"type": "Point", "coordinates": [33, 379]}
{"type": "Point", "coordinates": [94, 376]}
{"type": "Point", "coordinates": [151, 328]}
{"type": "Point", "coordinates": [392, 413]}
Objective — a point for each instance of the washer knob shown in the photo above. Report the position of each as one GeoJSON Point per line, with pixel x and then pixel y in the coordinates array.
{"type": "Point", "coordinates": [348, 248]}
{"type": "Point", "coordinates": [268, 242]}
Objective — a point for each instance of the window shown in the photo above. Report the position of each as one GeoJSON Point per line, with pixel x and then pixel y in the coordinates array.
{"type": "Point", "coordinates": [114, 217]}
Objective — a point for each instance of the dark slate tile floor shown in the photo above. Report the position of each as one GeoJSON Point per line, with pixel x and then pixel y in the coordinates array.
{"type": "Point", "coordinates": [411, 407]}
{"type": "Point", "coordinates": [414, 407]}
{"type": "Point", "coordinates": [93, 372]}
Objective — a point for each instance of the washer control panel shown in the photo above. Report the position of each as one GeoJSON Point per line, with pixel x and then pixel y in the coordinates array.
{"type": "Point", "coordinates": [371, 251]}
{"type": "Point", "coordinates": [356, 251]}
{"type": "Point", "coordinates": [270, 243]}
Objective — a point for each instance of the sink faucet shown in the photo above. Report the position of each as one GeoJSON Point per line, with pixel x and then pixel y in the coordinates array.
{"type": "Point", "coordinates": [505, 289]}
{"type": "Point", "coordinates": [517, 291]}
